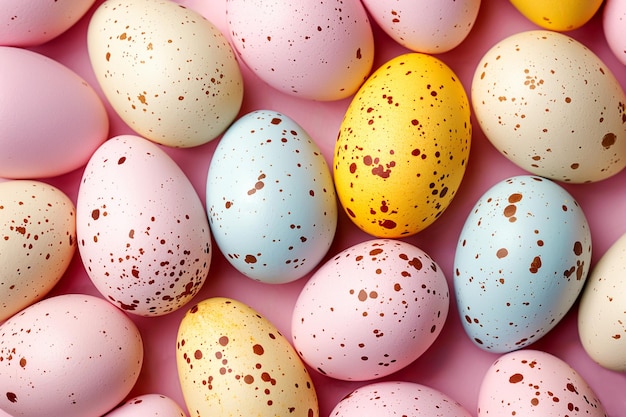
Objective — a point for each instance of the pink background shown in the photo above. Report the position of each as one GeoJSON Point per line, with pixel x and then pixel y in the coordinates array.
{"type": "Point", "coordinates": [453, 364]}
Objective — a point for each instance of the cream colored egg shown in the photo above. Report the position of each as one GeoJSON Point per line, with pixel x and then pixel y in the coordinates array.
{"type": "Point", "coordinates": [37, 242]}
{"type": "Point", "coordinates": [234, 362]}
{"type": "Point", "coordinates": [168, 72]}
{"type": "Point", "coordinates": [552, 107]}
{"type": "Point", "coordinates": [602, 311]}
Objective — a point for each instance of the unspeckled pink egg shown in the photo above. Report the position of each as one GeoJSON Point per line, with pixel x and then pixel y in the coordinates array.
{"type": "Point", "coordinates": [142, 231]}
{"type": "Point", "coordinates": [613, 24]}
{"type": "Point", "coordinates": [148, 405]}
{"type": "Point", "coordinates": [37, 242]}
{"type": "Point", "coordinates": [398, 398]}
{"type": "Point", "coordinates": [535, 383]}
{"type": "Point", "coordinates": [72, 355]}
{"type": "Point", "coordinates": [370, 311]}
{"type": "Point", "coordinates": [51, 120]}
{"type": "Point", "coordinates": [319, 50]}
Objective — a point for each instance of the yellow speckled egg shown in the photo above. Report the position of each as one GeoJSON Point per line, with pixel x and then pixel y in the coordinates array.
{"type": "Point", "coordinates": [558, 15]}
{"type": "Point", "coordinates": [403, 146]}
{"type": "Point", "coordinates": [234, 362]}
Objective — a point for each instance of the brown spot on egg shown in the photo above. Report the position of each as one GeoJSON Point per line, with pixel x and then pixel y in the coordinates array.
{"type": "Point", "coordinates": [258, 349]}
{"type": "Point", "coordinates": [95, 214]}
{"type": "Point", "coordinates": [502, 253]}
{"type": "Point", "coordinates": [276, 121]}
{"type": "Point", "coordinates": [223, 340]}
{"type": "Point", "coordinates": [509, 211]}
{"type": "Point", "coordinates": [609, 140]}
{"type": "Point", "coordinates": [12, 397]}
{"type": "Point", "coordinates": [198, 354]}
{"type": "Point", "coordinates": [578, 248]}
{"type": "Point", "coordinates": [515, 378]}
{"type": "Point", "coordinates": [108, 56]}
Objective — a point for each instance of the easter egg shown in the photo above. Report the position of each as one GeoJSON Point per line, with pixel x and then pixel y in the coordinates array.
{"type": "Point", "coordinates": [148, 405]}
{"type": "Point", "coordinates": [403, 146]}
{"type": "Point", "coordinates": [558, 15]}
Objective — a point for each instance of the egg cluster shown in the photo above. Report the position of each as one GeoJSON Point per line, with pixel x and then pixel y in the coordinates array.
{"type": "Point", "coordinates": [176, 239]}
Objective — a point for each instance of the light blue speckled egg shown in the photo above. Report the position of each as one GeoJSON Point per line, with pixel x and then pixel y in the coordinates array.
{"type": "Point", "coordinates": [521, 261]}
{"type": "Point", "coordinates": [270, 198]}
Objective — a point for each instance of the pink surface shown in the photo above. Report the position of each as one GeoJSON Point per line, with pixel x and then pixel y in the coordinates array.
{"type": "Point", "coordinates": [453, 364]}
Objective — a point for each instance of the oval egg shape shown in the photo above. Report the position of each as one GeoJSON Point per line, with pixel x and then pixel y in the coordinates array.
{"type": "Point", "coordinates": [270, 198]}
{"type": "Point", "coordinates": [233, 361]}
{"type": "Point", "coordinates": [521, 261]}
{"type": "Point", "coordinates": [531, 382]}
{"type": "Point", "coordinates": [72, 355]}
{"type": "Point", "coordinates": [423, 25]}
{"type": "Point", "coordinates": [602, 310]}
{"type": "Point", "coordinates": [142, 230]}
{"type": "Point", "coordinates": [613, 20]}
{"type": "Point", "coordinates": [558, 15]}
{"type": "Point", "coordinates": [148, 405]}
{"type": "Point", "coordinates": [57, 132]}
{"type": "Point", "coordinates": [37, 242]}
{"type": "Point", "coordinates": [551, 106]}
{"type": "Point", "coordinates": [314, 50]}
{"type": "Point", "coordinates": [370, 311]}
{"type": "Point", "coordinates": [167, 71]}
{"type": "Point", "coordinates": [403, 146]}
{"type": "Point", "coordinates": [398, 398]}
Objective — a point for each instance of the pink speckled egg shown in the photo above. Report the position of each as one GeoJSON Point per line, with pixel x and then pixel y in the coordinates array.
{"type": "Point", "coordinates": [532, 382]}
{"type": "Point", "coordinates": [148, 405]}
{"type": "Point", "coordinates": [613, 23]}
{"type": "Point", "coordinates": [370, 311]}
{"type": "Point", "coordinates": [319, 50]}
{"type": "Point", "coordinates": [72, 355]}
{"type": "Point", "coordinates": [398, 398]}
{"type": "Point", "coordinates": [142, 231]}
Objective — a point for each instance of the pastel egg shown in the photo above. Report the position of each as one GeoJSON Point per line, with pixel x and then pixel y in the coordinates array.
{"type": "Point", "coordinates": [142, 231]}
{"type": "Point", "coordinates": [72, 355]}
{"type": "Point", "coordinates": [147, 405]}
{"type": "Point", "coordinates": [37, 242]}
{"type": "Point", "coordinates": [602, 310]}
{"type": "Point", "coordinates": [314, 50]}
{"type": "Point", "coordinates": [552, 107]}
{"type": "Point", "coordinates": [167, 71]}
{"type": "Point", "coordinates": [425, 26]}
{"type": "Point", "coordinates": [402, 147]}
{"type": "Point", "coordinates": [521, 261]}
{"type": "Point", "coordinates": [270, 198]}
{"type": "Point", "coordinates": [613, 21]}
{"type": "Point", "coordinates": [531, 382]}
{"type": "Point", "coordinates": [233, 361]}
{"type": "Point", "coordinates": [57, 132]}
{"type": "Point", "coordinates": [370, 311]}
{"type": "Point", "coordinates": [558, 15]}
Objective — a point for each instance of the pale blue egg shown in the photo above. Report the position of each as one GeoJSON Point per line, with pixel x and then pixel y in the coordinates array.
{"type": "Point", "coordinates": [270, 198]}
{"type": "Point", "coordinates": [521, 261]}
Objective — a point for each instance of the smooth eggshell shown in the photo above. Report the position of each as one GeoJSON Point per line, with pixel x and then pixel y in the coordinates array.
{"type": "Point", "coordinates": [521, 261]}
{"type": "Point", "coordinates": [37, 242]}
{"type": "Point", "coordinates": [613, 23]}
{"type": "Point", "coordinates": [51, 120]}
{"type": "Point", "coordinates": [602, 310]}
{"type": "Point", "coordinates": [148, 405]}
{"type": "Point", "coordinates": [424, 25]}
{"type": "Point", "coordinates": [552, 107]}
{"type": "Point", "coordinates": [398, 398]}
{"type": "Point", "coordinates": [403, 146]}
{"type": "Point", "coordinates": [271, 198]}
{"type": "Point", "coordinates": [72, 355]}
{"type": "Point", "coordinates": [558, 15]}
{"type": "Point", "coordinates": [531, 382]}
{"type": "Point", "coordinates": [311, 49]}
{"type": "Point", "coordinates": [142, 231]}
{"type": "Point", "coordinates": [168, 72]}
{"type": "Point", "coordinates": [370, 311]}
{"type": "Point", "coordinates": [234, 362]}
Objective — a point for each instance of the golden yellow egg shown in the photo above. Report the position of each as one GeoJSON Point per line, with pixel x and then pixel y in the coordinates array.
{"type": "Point", "coordinates": [558, 15]}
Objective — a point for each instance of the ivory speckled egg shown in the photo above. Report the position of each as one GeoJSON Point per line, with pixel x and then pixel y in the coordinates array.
{"type": "Point", "coordinates": [403, 146]}
{"type": "Point", "coordinates": [234, 362]}
{"type": "Point", "coordinates": [168, 72]}
{"type": "Point", "coordinates": [370, 311]}
{"type": "Point", "coordinates": [37, 242]}
{"type": "Point", "coordinates": [552, 107]}
{"type": "Point", "coordinates": [142, 231]}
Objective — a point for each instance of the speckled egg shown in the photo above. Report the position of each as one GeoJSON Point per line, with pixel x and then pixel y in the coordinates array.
{"type": "Point", "coordinates": [270, 198]}
{"type": "Point", "coordinates": [521, 261]}
{"type": "Point", "coordinates": [72, 355]}
{"type": "Point", "coordinates": [233, 361]}
{"type": "Point", "coordinates": [558, 15]}
{"type": "Point", "coordinates": [168, 72]}
{"type": "Point", "coordinates": [402, 147]}
{"type": "Point", "coordinates": [531, 382]}
{"type": "Point", "coordinates": [142, 230]}
{"type": "Point", "coordinates": [320, 50]}
{"type": "Point", "coordinates": [398, 398]}
{"type": "Point", "coordinates": [613, 21]}
{"type": "Point", "coordinates": [424, 25]}
{"type": "Point", "coordinates": [370, 311]}
{"type": "Point", "coordinates": [37, 242]}
{"type": "Point", "coordinates": [552, 107]}
{"type": "Point", "coordinates": [602, 310]}
{"type": "Point", "coordinates": [148, 405]}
